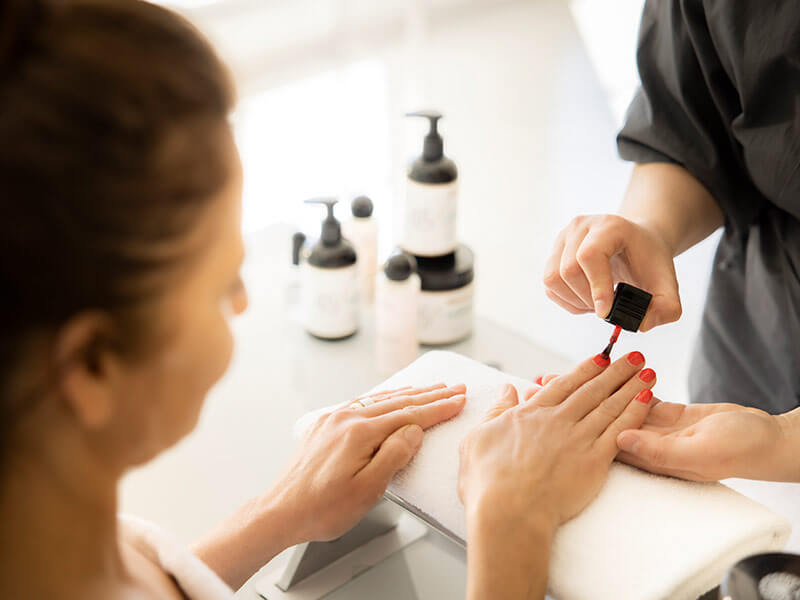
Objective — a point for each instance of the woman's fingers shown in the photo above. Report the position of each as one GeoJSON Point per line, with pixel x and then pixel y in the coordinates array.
{"type": "Point", "coordinates": [632, 415]}
{"type": "Point", "coordinates": [400, 401]}
{"type": "Point", "coordinates": [392, 455]}
{"type": "Point", "coordinates": [563, 386]}
{"type": "Point", "coordinates": [508, 399]}
{"type": "Point", "coordinates": [424, 415]}
{"type": "Point", "coordinates": [595, 390]}
{"type": "Point", "coordinates": [610, 408]}
{"type": "Point", "coordinates": [387, 393]}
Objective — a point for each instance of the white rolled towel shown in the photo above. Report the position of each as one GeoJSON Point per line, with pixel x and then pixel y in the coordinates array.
{"type": "Point", "coordinates": [645, 537]}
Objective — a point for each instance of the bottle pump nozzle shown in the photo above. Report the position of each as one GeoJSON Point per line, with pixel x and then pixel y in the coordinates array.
{"type": "Point", "coordinates": [433, 149]}
{"type": "Point", "coordinates": [331, 228]}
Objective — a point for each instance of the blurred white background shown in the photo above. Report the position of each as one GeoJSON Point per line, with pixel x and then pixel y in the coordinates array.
{"type": "Point", "coordinates": [533, 93]}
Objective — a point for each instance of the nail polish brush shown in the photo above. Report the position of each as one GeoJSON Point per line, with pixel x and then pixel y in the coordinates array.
{"type": "Point", "coordinates": [627, 312]}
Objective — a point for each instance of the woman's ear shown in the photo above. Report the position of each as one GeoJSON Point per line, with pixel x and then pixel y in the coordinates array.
{"type": "Point", "coordinates": [85, 368]}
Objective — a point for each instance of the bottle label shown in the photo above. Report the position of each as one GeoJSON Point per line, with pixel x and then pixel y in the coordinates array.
{"type": "Point", "coordinates": [445, 317]}
{"type": "Point", "coordinates": [429, 221]}
{"type": "Point", "coordinates": [330, 301]}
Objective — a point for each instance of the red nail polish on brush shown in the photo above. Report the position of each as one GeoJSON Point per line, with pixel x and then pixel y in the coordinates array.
{"type": "Point", "coordinates": [644, 396]}
{"type": "Point", "coordinates": [601, 361]}
{"type": "Point", "coordinates": [538, 380]}
{"type": "Point", "coordinates": [647, 375]}
{"type": "Point", "coordinates": [635, 358]}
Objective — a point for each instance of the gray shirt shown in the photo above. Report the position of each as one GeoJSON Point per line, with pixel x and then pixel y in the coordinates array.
{"type": "Point", "coordinates": [720, 95]}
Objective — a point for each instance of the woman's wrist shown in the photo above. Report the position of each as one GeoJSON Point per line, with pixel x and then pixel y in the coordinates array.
{"type": "Point", "coordinates": [248, 539]}
{"type": "Point", "coordinates": [507, 551]}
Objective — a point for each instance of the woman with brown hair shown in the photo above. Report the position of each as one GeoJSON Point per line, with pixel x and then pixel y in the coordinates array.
{"type": "Point", "coordinates": [120, 212]}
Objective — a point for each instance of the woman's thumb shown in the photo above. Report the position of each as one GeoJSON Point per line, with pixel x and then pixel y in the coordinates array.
{"type": "Point", "coordinates": [395, 453]}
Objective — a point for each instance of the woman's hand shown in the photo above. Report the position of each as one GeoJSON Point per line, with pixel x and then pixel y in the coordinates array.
{"type": "Point", "coordinates": [594, 252]}
{"type": "Point", "coordinates": [347, 458]}
{"type": "Point", "coordinates": [709, 442]}
{"type": "Point", "coordinates": [531, 466]}
{"type": "Point", "coordinates": [341, 469]}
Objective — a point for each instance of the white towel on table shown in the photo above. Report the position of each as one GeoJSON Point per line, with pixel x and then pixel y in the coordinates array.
{"type": "Point", "coordinates": [644, 537]}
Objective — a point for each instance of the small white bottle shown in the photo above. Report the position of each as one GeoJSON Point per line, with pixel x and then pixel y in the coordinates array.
{"type": "Point", "coordinates": [396, 308]}
{"type": "Point", "coordinates": [362, 231]}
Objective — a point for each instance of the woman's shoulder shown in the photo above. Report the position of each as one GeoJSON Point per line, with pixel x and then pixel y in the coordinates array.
{"type": "Point", "coordinates": [160, 562]}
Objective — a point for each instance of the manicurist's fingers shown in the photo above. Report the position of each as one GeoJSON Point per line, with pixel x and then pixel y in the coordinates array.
{"type": "Point", "coordinates": [508, 399]}
{"type": "Point", "coordinates": [424, 415]}
{"type": "Point", "coordinates": [392, 455]}
{"type": "Point", "coordinates": [402, 400]}
{"type": "Point", "coordinates": [607, 411]}
{"type": "Point", "coordinates": [568, 306]}
{"type": "Point", "coordinates": [555, 287]}
{"type": "Point", "coordinates": [674, 454]}
{"type": "Point", "coordinates": [594, 257]}
{"type": "Point", "coordinates": [572, 273]}
{"type": "Point", "coordinates": [562, 386]}
{"type": "Point", "coordinates": [596, 390]}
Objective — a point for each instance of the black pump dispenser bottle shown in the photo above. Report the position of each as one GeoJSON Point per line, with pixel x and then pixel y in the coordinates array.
{"type": "Point", "coordinates": [330, 284]}
{"type": "Point", "coordinates": [429, 221]}
{"type": "Point", "coordinates": [331, 251]}
{"type": "Point", "coordinates": [432, 166]}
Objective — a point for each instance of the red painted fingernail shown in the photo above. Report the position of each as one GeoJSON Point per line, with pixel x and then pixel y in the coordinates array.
{"type": "Point", "coordinates": [644, 396]}
{"type": "Point", "coordinates": [635, 358]}
{"type": "Point", "coordinates": [647, 375]}
{"type": "Point", "coordinates": [601, 361]}
{"type": "Point", "coordinates": [538, 380]}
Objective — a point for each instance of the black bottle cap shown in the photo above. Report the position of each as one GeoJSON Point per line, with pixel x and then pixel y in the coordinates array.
{"type": "Point", "coordinates": [399, 266]}
{"type": "Point", "coordinates": [447, 272]}
{"type": "Point", "coordinates": [361, 207]}
{"type": "Point", "coordinates": [433, 148]}
{"type": "Point", "coordinates": [629, 307]}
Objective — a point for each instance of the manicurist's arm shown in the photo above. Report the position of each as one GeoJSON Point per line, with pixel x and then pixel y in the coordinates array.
{"type": "Point", "coordinates": [665, 211]}
{"type": "Point", "coordinates": [533, 465]}
{"type": "Point", "coordinates": [340, 470]}
{"type": "Point", "coordinates": [668, 201]}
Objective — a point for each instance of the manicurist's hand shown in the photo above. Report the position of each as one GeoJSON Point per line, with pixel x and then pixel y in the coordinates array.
{"type": "Point", "coordinates": [532, 465]}
{"type": "Point", "coordinates": [708, 442]}
{"type": "Point", "coordinates": [665, 211]}
{"type": "Point", "coordinates": [341, 469]}
{"type": "Point", "coordinates": [594, 252]}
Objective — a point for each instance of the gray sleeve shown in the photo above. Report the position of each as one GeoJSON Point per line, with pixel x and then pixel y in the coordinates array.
{"type": "Point", "coordinates": [679, 114]}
